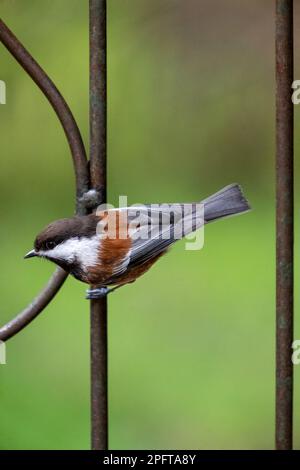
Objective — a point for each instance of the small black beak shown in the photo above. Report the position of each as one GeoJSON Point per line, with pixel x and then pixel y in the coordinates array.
{"type": "Point", "coordinates": [30, 254]}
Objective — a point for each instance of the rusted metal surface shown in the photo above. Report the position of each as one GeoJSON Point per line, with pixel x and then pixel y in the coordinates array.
{"type": "Point", "coordinates": [98, 149]}
{"type": "Point", "coordinates": [80, 165]}
{"type": "Point", "coordinates": [98, 96]}
{"type": "Point", "coordinates": [284, 224]}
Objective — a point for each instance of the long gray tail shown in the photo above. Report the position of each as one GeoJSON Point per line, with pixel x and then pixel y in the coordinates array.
{"type": "Point", "coordinates": [228, 201]}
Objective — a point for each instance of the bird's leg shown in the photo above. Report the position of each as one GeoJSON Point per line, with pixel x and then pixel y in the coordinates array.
{"type": "Point", "coordinates": [99, 292]}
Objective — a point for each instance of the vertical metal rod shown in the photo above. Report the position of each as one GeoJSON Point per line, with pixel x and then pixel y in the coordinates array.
{"type": "Point", "coordinates": [98, 148]}
{"type": "Point", "coordinates": [284, 224]}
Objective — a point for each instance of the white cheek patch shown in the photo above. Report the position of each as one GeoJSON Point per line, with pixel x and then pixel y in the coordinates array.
{"type": "Point", "coordinates": [84, 249]}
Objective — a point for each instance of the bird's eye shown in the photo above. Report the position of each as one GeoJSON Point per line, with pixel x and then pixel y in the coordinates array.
{"type": "Point", "coordinates": [49, 245]}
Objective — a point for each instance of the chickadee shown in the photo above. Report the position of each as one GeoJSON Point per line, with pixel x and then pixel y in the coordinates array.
{"type": "Point", "coordinates": [113, 247]}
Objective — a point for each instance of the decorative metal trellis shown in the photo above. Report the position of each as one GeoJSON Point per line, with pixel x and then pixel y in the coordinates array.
{"type": "Point", "coordinates": [91, 191]}
{"type": "Point", "coordinates": [90, 180]}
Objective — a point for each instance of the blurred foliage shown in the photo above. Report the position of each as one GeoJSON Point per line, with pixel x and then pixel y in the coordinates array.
{"type": "Point", "coordinates": [191, 108]}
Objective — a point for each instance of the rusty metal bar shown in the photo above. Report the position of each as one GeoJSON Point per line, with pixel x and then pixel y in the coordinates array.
{"type": "Point", "coordinates": [98, 149]}
{"type": "Point", "coordinates": [80, 165]}
{"type": "Point", "coordinates": [35, 307]}
{"type": "Point", "coordinates": [284, 224]}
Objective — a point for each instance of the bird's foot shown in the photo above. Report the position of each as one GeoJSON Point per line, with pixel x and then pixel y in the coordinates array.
{"type": "Point", "coordinates": [97, 293]}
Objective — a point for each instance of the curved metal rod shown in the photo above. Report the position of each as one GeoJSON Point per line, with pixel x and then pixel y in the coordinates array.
{"type": "Point", "coordinates": [80, 166]}
{"type": "Point", "coordinates": [35, 307]}
{"type": "Point", "coordinates": [59, 105]}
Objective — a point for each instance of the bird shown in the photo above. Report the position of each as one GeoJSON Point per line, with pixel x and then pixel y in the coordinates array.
{"type": "Point", "coordinates": [112, 247]}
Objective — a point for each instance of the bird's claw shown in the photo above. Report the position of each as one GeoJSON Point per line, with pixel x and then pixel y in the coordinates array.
{"type": "Point", "coordinates": [97, 293]}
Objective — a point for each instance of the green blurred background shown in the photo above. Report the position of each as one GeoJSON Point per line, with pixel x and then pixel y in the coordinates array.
{"type": "Point", "coordinates": [191, 109]}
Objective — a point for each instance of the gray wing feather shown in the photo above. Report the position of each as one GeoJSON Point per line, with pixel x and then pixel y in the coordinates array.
{"type": "Point", "coordinates": [161, 225]}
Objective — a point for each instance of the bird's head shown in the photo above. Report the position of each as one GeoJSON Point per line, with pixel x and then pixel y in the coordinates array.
{"type": "Point", "coordinates": [70, 243]}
